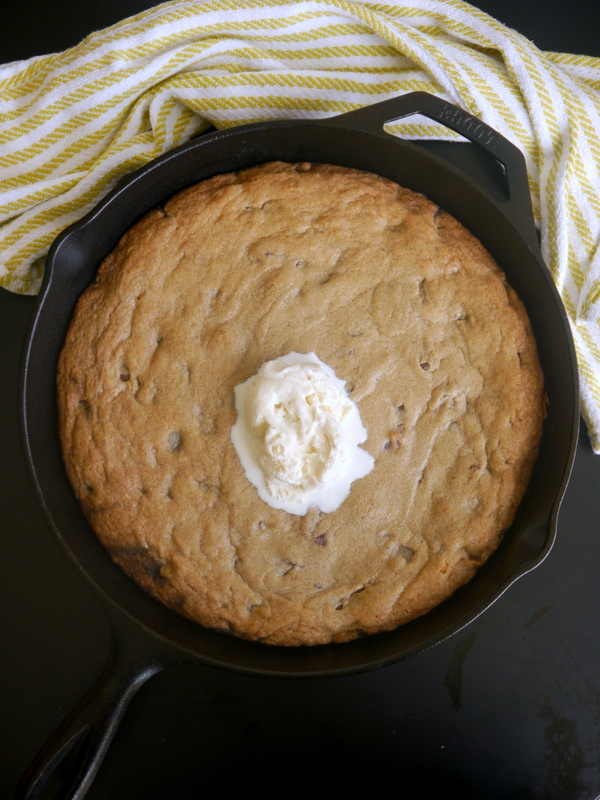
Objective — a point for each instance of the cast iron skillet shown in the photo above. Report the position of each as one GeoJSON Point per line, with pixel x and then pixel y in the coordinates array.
{"type": "Point", "coordinates": [146, 636]}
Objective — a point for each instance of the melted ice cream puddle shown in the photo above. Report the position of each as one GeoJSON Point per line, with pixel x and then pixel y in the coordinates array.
{"type": "Point", "coordinates": [297, 434]}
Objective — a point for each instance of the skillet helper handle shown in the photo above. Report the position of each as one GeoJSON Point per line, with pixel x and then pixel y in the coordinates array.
{"type": "Point", "coordinates": [517, 207]}
{"type": "Point", "coordinates": [94, 721]}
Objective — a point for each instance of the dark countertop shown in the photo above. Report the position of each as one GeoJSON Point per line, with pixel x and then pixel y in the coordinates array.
{"type": "Point", "coordinates": [508, 708]}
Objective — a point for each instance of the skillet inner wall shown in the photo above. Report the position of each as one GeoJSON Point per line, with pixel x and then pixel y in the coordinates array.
{"type": "Point", "coordinates": [73, 267]}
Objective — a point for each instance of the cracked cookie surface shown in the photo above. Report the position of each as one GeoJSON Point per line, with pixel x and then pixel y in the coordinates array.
{"type": "Point", "coordinates": [399, 300]}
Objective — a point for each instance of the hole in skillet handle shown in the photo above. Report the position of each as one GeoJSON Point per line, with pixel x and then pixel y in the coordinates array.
{"type": "Point", "coordinates": [516, 205]}
{"type": "Point", "coordinates": [61, 771]}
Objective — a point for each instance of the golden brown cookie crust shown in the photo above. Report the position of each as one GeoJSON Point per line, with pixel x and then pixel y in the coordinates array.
{"type": "Point", "coordinates": [399, 300]}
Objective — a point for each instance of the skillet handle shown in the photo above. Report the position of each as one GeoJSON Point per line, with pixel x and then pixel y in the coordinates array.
{"type": "Point", "coordinates": [94, 721]}
{"type": "Point", "coordinates": [517, 207]}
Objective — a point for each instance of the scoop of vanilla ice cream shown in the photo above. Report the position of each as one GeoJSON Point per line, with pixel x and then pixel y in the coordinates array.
{"type": "Point", "coordinates": [297, 411]}
{"type": "Point", "coordinates": [297, 434]}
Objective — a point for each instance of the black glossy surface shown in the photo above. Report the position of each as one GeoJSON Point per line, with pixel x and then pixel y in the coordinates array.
{"type": "Point", "coordinates": [507, 708]}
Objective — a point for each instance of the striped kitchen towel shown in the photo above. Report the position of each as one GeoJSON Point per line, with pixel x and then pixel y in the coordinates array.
{"type": "Point", "coordinates": [73, 123]}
